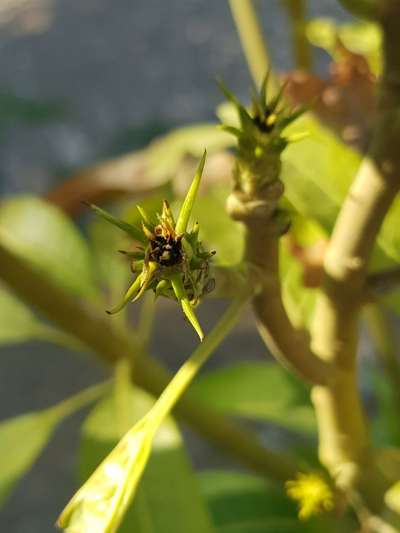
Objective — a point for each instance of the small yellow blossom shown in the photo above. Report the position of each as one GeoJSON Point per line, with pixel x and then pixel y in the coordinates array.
{"type": "Point", "coordinates": [312, 494]}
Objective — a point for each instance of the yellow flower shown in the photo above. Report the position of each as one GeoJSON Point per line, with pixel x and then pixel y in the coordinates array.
{"type": "Point", "coordinates": [312, 494]}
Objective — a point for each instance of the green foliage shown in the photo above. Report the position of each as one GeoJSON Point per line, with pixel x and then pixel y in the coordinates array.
{"type": "Point", "coordinates": [219, 231]}
{"type": "Point", "coordinates": [260, 391]}
{"type": "Point", "coordinates": [173, 262]}
{"type": "Point", "coordinates": [102, 501]}
{"type": "Point", "coordinates": [47, 240]}
{"type": "Point", "coordinates": [316, 186]}
{"type": "Point", "coordinates": [17, 322]}
{"type": "Point", "coordinates": [156, 508]}
{"type": "Point", "coordinates": [22, 439]}
{"type": "Point", "coordinates": [361, 37]}
{"type": "Point", "coordinates": [243, 503]}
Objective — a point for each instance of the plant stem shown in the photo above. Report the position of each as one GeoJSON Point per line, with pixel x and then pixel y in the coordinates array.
{"type": "Point", "coordinates": [146, 318]}
{"type": "Point", "coordinates": [114, 343]}
{"type": "Point", "coordinates": [289, 345]}
{"type": "Point", "coordinates": [344, 443]}
{"type": "Point", "coordinates": [190, 368]}
{"type": "Point", "coordinates": [79, 400]}
{"type": "Point", "coordinates": [301, 48]}
{"type": "Point", "coordinates": [252, 40]}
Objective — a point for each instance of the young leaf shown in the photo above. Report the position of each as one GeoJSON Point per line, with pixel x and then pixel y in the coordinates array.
{"type": "Point", "coordinates": [186, 209]}
{"type": "Point", "coordinates": [100, 504]}
{"type": "Point", "coordinates": [131, 230]}
{"type": "Point", "coordinates": [17, 321]}
{"type": "Point", "coordinates": [46, 239]}
{"type": "Point", "coordinates": [179, 510]}
{"type": "Point", "coordinates": [23, 438]}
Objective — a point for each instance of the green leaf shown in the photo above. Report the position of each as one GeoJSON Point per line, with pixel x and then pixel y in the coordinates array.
{"type": "Point", "coordinates": [243, 503]}
{"type": "Point", "coordinates": [101, 502]}
{"type": "Point", "coordinates": [132, 231]}
{"type": "Point", "coordinates": [24, 437]}
{"type": "Point", "coordinates": [157, 508]}
{"type": "Point", "coordinates": [187, 206]}
{"type": "Point", "coordinates": [257, 390]}
{"type": "Point", "coordinates": [44, 237]}
{"type": "Point", "coordinates": [360, 37]}
{"type": "Point", "coordinates": [111, 268]}
{"type": "Point", "coordinates": [219, 231]}
{"type": "Point", "coordinates": [17, 322]}
{"type": "Point", "coordinates": [316, 186]}
{"type": "Point", "coordinates": [166, 153]}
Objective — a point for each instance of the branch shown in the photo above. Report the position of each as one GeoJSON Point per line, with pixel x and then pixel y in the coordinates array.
{"type": "Point", "coordinates": [112, 344]}
{"type": "Point", "coordinates": [291, 346]}
{"type": "Point", "coordinates": [251, 39]}
{"type": "Point", "coordinates": [301, 48]}
{"type": "Point", "coordinates": [375, 10]}
{"type": "Point", "coordinates": [343, 432]}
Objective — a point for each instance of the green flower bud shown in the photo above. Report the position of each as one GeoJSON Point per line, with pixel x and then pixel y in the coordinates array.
{"type": "Point", "coordinates": [172, 261]}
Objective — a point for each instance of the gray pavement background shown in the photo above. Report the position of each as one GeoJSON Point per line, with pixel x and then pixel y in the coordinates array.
{"type": "Point", "coordinates": [119, 69]}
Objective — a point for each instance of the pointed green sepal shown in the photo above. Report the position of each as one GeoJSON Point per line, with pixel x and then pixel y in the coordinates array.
{"type": "Point", "coordinates": [138, 255]}
{"type": "Point", "coordinates": [167, 213]}
{"type": "Point", "coordinates": [263, 92]}
{"type": "Point", "coordinates": [130, 293]}
{"type": "Point", "coordinates": [131, 230]}
{"type": "Point", "coordinates": [186, 209]}
{"type": "Point", "coordinates": [162, 287]}
{"type": "Point", "coordinates": [146, 278]}
{"type": "Point", "coordinates": [181, 295]}
{"type": "Point", "coordinates": [145, 216]}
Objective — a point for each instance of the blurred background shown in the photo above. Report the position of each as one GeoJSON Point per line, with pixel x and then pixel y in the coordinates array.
{"type": "Point", "coordinates": [81, 81]}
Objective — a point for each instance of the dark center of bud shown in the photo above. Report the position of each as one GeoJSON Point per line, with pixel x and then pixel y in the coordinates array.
{"type": "Point", "coordinates": [265, 123]}
{"type": "Point", "coordinates": [166, 251]}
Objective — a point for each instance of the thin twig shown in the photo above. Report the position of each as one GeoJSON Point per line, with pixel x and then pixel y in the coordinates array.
{"type": "Point", "coordinates": [301, 48]}
{"type": "Point", "coordinates": [252, 40]}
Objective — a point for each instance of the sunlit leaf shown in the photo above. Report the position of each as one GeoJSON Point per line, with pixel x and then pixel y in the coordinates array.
{"type": "Point", "coordinates": [46, 239]}
{"type": "Point", "coordinates": [156, 508]}
{"type": "Point", "coordinates": [219, 231]}
{"type": "Point", "coordinates": [316, 186]}
{"type": "Point", "coordinates": [166, 153]}
{"type": "Point", "coordinates": [100, 504]}
{"type": "Point", "coordinates": [133, 231]}
{"type": "Point", "coordinates": [24, 437]}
